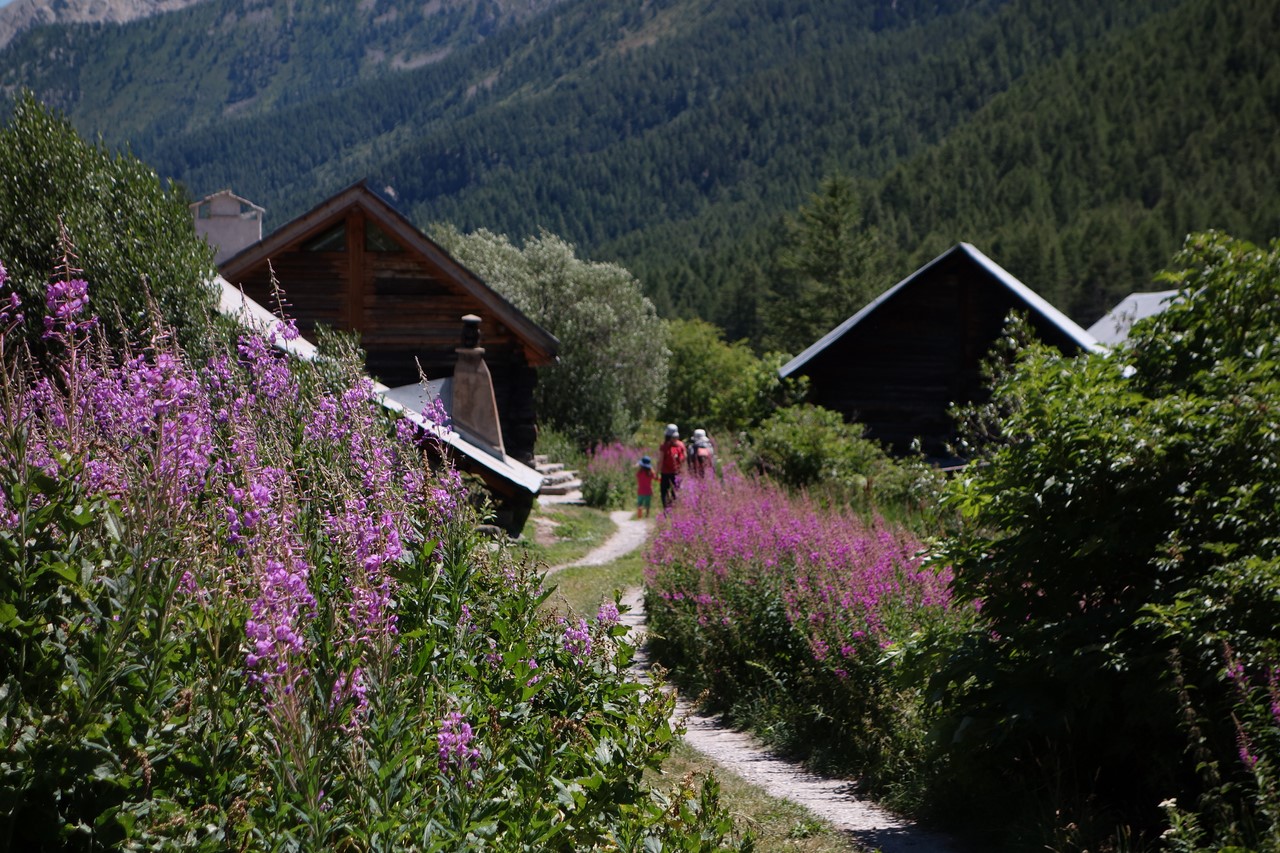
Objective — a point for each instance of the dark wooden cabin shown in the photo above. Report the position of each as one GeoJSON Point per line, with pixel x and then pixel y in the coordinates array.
{"type": "Point", "coordinates": [900, 363]}
{"type": "Point", "coordinates": [355, 263]}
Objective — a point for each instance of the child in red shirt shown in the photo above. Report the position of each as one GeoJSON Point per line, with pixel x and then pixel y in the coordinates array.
{"type": "Point", "coordinates": [644, 486]}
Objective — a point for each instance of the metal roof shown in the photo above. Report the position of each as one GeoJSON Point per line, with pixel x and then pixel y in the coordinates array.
{"type": "Point", "coordinates": [1033, 300]}
{"type": "Point", "coordinates": [1113, 327]}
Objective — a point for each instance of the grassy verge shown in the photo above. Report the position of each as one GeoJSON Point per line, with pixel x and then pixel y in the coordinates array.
{"type": "Point", "coordinates": [582, 589]}
{"type": "Point", "coordinates": [777, 825]}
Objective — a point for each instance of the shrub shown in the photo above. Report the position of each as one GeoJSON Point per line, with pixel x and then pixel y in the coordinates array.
{"type": "Point", "coordinates": [1121, 537]}
{"type": "Point", "coordinates": [612, 367]}
{"type": "Point", "coordinates": [814, 448]}
{"type": "Point", "coordinates": [721, 386]}
{"type": "Point", "coordinates": [133, 234]}
{"type": "Point", "coordinates": [609, 478]}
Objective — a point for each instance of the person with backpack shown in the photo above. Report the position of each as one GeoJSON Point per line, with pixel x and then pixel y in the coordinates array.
{"type": "Point", "coordinates": [701, 453]}
{"type": "Point", "coordinates": [672, 454]}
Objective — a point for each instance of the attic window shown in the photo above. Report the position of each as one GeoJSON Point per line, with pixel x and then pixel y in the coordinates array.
{"type": "Point", "coordinates": [204, 211]}
{"type": "Point", "coordinates": [333, 240]}
{"type": "Point", "coordinates": [377, 240]}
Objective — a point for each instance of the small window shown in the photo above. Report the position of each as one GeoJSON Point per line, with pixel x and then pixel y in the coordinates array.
{"type": "Point", "coordinates": [204, 211]}
{"type": "Point", "coordinates": [333, 240]}
{"type": "Point", "coordinates": [377, 240]}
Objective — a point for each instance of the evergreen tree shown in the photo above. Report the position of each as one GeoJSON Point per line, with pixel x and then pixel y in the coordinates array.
{"type": "Point", "coordinates": [824, 270]}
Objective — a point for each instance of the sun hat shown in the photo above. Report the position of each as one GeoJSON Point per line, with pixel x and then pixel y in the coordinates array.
{"type": "Point", "coordinates": [646, 462]}
{"type": "Point", "coordinates": [673, 431]}
{"type": "Point", "coordinates": [699, 433]}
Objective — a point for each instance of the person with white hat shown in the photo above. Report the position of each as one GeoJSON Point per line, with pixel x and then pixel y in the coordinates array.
{"type": "Point", "coordinates": [673, 454]}
{"type": "Point", "coordinates": [701, 453]}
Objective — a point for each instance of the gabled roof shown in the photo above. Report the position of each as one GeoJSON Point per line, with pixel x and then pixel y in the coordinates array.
{"type": "Point", "coordinates": [1033, 301]}
{"type": "Point", "coordinates": [253, 315]}
{"type": "Point", "coordinates": [1113, 327]}
{"type": "Point", "coordinates": [541, 344]}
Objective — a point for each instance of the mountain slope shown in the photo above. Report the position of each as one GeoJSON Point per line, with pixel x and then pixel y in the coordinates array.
{"type": "Point", "coordinates": [1086, 177]}
{"type": "Point", "coordinates": [224, 60]}
{"type": "Point", "coordinates": [1074, 141]}
{"type": "Point", "coordinates": [21, 15]}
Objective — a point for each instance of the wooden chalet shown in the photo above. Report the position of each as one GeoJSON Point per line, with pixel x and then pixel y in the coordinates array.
{"type": "Point", "coordinates": [514, 483]}
{"type": "Point", "coordinates": [355, 263]}
{"type": "Point", "coordinates": [901, 362]}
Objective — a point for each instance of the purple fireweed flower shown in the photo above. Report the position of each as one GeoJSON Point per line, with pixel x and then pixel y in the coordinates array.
{"type": "Point", "coordinates": [66, 301]}
{"type": "Point", "coordinates": [10, 306]}
{"type": "Point", "coordinates": [454, 739]}
{"type": "Point", "coordinates": [285, 330]}
{"type": "Point", "coordinates": [608, 615]}
{"type": "Point", "coordinates": [577, 641]}
{"type": "Point", "coordinates": [843, 581]}
{"type": "Point", "coordinates": [350, 688]}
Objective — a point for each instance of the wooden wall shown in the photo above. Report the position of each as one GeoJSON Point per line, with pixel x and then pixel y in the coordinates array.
{"type": "Point", "coordinates": [404, 308]}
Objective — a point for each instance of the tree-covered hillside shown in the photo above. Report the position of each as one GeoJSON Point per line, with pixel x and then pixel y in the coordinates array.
{"type": "Point", "coordinates": [224, 60]}
{"type": "Point", "coordinates": [1076, 141]}
{"type": "Point", "coordinates": [1086, 175]}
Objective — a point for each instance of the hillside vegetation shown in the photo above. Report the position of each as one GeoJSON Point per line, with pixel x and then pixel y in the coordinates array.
{"type": "Point", "coordinates": [1076, 142]}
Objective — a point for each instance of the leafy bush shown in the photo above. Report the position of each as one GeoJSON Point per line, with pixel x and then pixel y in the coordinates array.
{"type": "Point", "coordinates": [613, 359]}
{"type": "Point", "coordinates": [609, 478]}
{"type": "Point", "coordinates": [1120, 534]}
{"type": "Point", "coordinates": [237, 611]}
{"type": "Point", "coordinates": [721, 386]}
{"type": "Point", "coordinates": [794, 618]}
{"type": "Point", "coordinates": [814, 448]}
{"type": "Point", "coordinates": [133, 234]}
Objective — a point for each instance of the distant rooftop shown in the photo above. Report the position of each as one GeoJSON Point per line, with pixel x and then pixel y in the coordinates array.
{"type": "Point", "coordinates": [1113, 328]}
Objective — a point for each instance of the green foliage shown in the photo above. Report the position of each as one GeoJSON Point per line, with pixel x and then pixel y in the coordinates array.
{"type": "Point", "coordinates": [826, 267]}
{"type": "Point", "coordinates": [1120, 537]}
{"type": "Point", "coordinates": [609, 477]}
{"type": "Point", "coordinates": [613, 360]}
{"type": "Point", "coordinates": [809, 447]}
{"type": "Point", "coordinates": [720, 386]}
{"type": "Point", "coordinates": [133, 235]}
{"type": "Point", "coordinates": [148, 534]}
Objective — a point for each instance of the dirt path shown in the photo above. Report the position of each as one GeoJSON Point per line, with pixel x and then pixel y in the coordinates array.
{"type": "Point", "coordinates": [867, 825]}
{"type": "Point", "coordinates": [629, 536]}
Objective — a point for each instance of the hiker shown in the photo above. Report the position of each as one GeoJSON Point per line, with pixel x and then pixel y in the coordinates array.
{"type": "Point", "coordinates": [673, 456]}
{"type": "Point", "coordinates": [644, 487]}
{"type": "Point", "coordinates": [701, 453]}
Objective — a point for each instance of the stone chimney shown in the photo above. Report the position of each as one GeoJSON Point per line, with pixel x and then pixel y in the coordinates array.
{"type": "Point", "coordinates": [475, 411]}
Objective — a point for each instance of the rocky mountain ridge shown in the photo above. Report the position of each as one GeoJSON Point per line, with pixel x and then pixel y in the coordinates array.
{"type": "Point", "coordinates": [21, 15]}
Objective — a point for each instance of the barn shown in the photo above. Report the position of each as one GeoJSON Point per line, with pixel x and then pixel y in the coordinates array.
{"type": "Point", "coordinates": [899, 364]}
